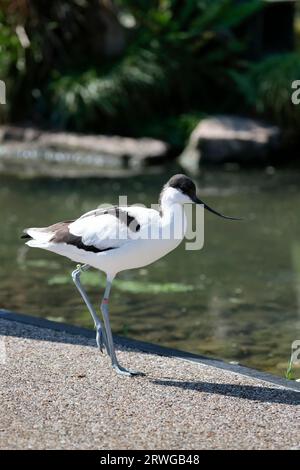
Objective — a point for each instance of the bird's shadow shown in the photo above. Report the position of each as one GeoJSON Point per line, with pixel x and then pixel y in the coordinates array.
{"type": "Point", "coordinates": [247, 392]}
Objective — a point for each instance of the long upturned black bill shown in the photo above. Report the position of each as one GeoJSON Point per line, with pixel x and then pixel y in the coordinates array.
{"type": "Point", "coordinates": [198, 201]}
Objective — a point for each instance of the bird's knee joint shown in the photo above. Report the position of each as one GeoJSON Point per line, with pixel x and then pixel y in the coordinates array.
{"type": "Point", "coordinates": [75, 276]}
{"type": "Point", "coordinates": [104, 304]}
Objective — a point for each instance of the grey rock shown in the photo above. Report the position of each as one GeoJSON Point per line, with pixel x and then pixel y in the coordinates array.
{"type": "Point", "coordinates": [222, 139]}
{"type": "Point", "coordinates": [79, 151]}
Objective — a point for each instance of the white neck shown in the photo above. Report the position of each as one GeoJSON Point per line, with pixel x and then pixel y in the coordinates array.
{"type": "Point", "coordinates": [172, 213]}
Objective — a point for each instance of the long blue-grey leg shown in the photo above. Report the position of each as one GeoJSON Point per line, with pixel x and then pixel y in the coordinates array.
{"type": "Point", "coordinates": [110, 342]}
{"type": "Point", "coordinates": [100, 335]}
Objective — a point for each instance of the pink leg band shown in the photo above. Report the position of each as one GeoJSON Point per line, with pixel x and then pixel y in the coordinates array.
{"type": "Point", "coordinates": [105, 301]}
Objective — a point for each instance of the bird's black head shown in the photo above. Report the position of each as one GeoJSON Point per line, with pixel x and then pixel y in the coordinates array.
{"type": "Point", "coordinates": [187, 188]}
{"type": "Point", "coordinates": [184, 184]}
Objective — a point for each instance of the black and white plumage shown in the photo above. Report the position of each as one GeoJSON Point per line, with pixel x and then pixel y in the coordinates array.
{"type": "Point", "coordinates": [119, 238]}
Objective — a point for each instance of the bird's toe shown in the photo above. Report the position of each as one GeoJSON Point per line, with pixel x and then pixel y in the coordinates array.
{"type": "Point", "coordinates": [127, 372]}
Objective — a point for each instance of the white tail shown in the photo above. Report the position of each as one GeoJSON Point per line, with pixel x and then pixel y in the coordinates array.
{"type": "Point", "coordinates": [39, 235]}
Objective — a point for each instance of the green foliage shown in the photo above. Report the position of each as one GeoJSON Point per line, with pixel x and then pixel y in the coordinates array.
{"type": "Point", "coordinates": [12, 62]}
{"type": "Point", "coordinates": [289, 371]}
{"type": "Point", "coordinates": [176, 63]}
{"type": "Point", "coordinates": [174, 129]}
{"type": "Point", "coordinates": [77, 99]}
{"type": "Point", "coordinates": [266, 88]}
{"type": "Point", "coordinates": [11, 53]}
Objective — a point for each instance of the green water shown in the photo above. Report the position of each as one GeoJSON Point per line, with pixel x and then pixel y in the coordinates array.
{"type": "Point", "coordinates": [237, 299]}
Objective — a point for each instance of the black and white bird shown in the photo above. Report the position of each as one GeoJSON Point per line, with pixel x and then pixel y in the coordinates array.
{"type": "Point", "coordinates": [120, 238]}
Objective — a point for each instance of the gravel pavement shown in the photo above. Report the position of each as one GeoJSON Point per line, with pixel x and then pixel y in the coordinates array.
{"type": "Point", "coordinates": [58, 392]}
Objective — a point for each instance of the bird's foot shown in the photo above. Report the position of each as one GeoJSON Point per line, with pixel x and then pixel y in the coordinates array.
{"type": "Point", "coordinates": [126, 372]}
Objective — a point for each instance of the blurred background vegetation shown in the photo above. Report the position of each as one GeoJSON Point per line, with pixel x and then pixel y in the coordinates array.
{"type": "Point", "coordinates": [152, 67]}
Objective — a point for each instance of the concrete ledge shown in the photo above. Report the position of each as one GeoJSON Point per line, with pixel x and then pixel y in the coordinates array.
{"type": "Point", "coordinates": [152, 349]}
{"type": "Point", "coordinates": [58, 392]}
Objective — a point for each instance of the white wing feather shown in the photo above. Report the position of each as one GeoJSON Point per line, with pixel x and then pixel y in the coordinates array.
{"type": "Point", "coordinates": [108, 231]}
